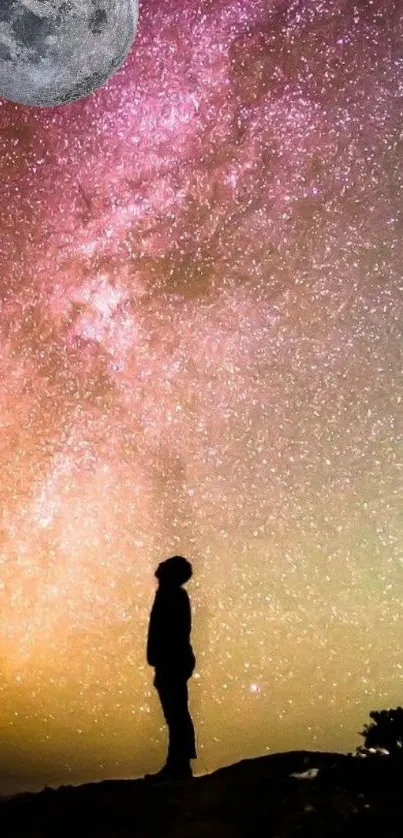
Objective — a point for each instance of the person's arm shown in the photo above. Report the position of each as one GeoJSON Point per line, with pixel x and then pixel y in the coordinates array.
{"type": "Point", "coordinates": [150, 657]}
{"type": "Point", "coordinates": [182, 620]}
{"type": "Point", "coordinates": [151, 640]}
{"type": "Point", "coordinates": [187, 617]}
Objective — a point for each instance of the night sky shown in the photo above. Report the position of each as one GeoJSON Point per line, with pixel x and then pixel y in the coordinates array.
{"type": "Point", "coordinates": [201, 329]}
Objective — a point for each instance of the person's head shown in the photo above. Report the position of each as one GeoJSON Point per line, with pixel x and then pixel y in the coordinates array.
{"type": "Point", "coordinates": [174, 571]}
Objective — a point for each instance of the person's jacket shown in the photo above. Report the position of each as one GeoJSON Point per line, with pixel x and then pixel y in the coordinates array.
{"type": "Point", "coordinates": [168, 642]}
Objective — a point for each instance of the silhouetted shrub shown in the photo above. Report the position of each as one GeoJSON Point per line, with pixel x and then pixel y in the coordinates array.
{"type": "Point", "coordinates": [384, 735]}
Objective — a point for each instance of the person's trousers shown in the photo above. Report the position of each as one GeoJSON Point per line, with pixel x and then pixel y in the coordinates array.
{"type": "Point", "coordinates": [174, 698]}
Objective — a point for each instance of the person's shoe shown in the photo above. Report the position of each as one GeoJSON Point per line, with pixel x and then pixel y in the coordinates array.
{"type": "Point", "coordinates": [160, 777]}
{"type": "Point", "coordinates": [181, 771]}
{"type": "Point", "coordinates": [171, 772]}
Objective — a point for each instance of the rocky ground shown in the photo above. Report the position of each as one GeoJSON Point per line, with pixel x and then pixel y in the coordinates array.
{"type": "Point", "coordinates": [332, 795]}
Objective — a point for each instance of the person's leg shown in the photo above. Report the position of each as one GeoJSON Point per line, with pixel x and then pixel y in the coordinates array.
{"type": "Point", "coordinates": [173, 695]}
{"type": "Point", "coordinates": [182, 745]}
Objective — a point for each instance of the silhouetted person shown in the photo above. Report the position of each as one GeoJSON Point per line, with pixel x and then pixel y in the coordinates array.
{"type": "Point", "coordinates": [169, 650]}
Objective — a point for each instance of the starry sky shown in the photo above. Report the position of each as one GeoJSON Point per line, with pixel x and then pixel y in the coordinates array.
{"type": "Point", "coordinates": [201, 329]}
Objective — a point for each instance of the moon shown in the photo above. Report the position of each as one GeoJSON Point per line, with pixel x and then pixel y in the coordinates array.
{"type": "Point", "coordinates": [53, 52]}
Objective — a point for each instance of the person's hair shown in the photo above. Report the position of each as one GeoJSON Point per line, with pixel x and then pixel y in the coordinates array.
{"type": "Point", "coordinates": [177, 570]}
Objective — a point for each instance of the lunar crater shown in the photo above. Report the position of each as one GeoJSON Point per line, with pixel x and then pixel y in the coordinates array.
{"type": "Point", "coordinates": [54, 51]}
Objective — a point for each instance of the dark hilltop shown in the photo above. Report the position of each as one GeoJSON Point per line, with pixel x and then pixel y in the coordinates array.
{"type": "Point", "coordinates": [299, 793]}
